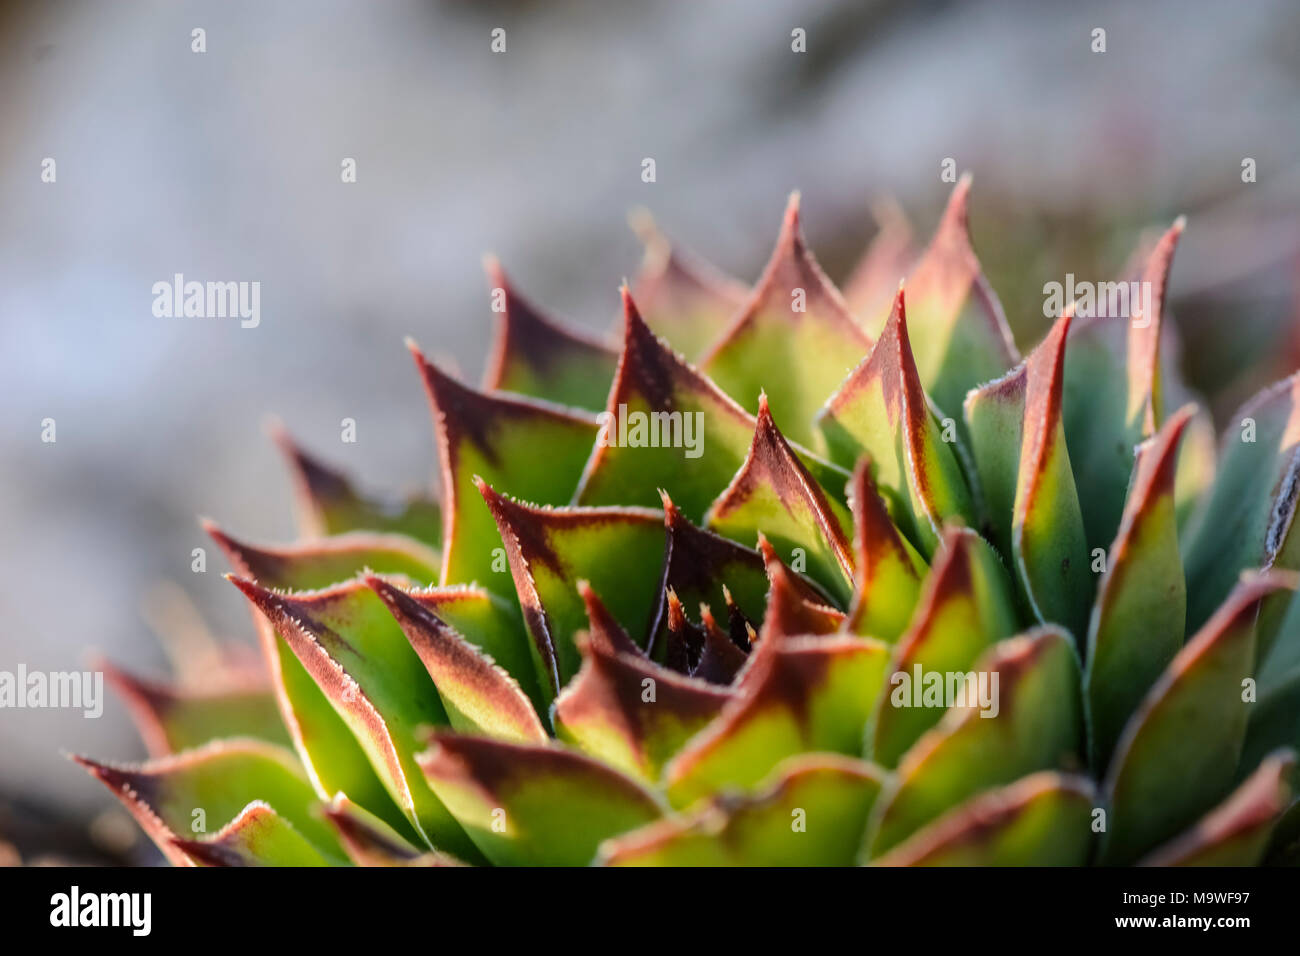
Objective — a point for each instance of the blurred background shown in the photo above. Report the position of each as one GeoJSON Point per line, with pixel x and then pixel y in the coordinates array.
{"type": "Point", "coordinates": [225, 165]}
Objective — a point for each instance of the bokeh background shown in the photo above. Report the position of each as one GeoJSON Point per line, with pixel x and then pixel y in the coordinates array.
{"type": "Point", "coordinates": [226, 165]}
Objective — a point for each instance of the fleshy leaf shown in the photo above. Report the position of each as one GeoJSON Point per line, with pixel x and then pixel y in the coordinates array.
{"type": "Point", "coordinates": [722, 658]}
{"type": "Point", "coordinates": [654, 381]}
{"type": "Point", "coordinates": [965, 608]}
{"type": "Point", "coordinates": [328, 504]}
{"type": "Point", "coordinates": [257, 837]}
{"type": "Point", "coordinates": [1137, 621]}
{"type": "Point", "coordinates": [496, 437]}
{"type": "Point", "coordinates": [1236, 833]}
{"type": "Point", "coordinates": [1024, 470]}
{"type": "Point", "coordinates": [1178, 753]}
{"type": "Point", "coordinates": [890, 256]}
{"type": "Point", "coordinates": [1037, 725]}
{"type": "Point", "coordinates": [371, 842]}
{"type": "Point", "coordinates": [684, 299]}
{"type": "Point", "coordinates": [793, 606]}
{"type": "Point", "coordinates": [888, 571]}
{"type": "Point", "coordinates": [632, 713]}
{"type": "Point", "coordinates": [535, 355]}
{"type": "Point", "coordinates": [318, 564]}
{"type": "Point", "coordinates": [961, 333]}
{"type": "Point", "coordinates": [618, 550]}
{"type": "Point", "coordinates": [171, 718]}
{"type": "Point", "coordinates": [479, 696]}
{"type": "Point", "coordinates": [358, 656]}
{"type": "Point", "coordinates": [775, 494]}
{"type": "Point", "coordinates": [191, 792]}
{"type": "Point", "coordinates": [794, 337]}
{"type": "Point", "coordinates": [807, 816]}
{"type": "Point", "coordinates": [1043, 819]}
{"type": "Point", "coordinates": [881, 410]}
{"type": "Point", "coordinates": [1112, 385]}
{"type": "Point", "coordinates": [807, 693]}
{"type": "Point", "coordinates": [526, 804]}
{"type": "Point", "coordinates": [1248, 518]}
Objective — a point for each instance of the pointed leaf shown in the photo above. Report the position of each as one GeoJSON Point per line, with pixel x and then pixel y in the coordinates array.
{"type": "Point", "coordinates": [794, 337]}
{"type": "Point", "coordinates": [371, 842]}
{"type": "Point", "coordinates": [722, 658]}
{"type": "Point", "coordinates": [1137, 621]}
{"type": "Point", "coordinates": [807, 816]}
{"type": "Point", "coordinates": [257, 837]}
{"type": "Point", "coordinates": [1033, 722]}
{"type": "Point", "coordinates": [526, 804]}
{"type": "Point", "coordinates": [1044, 819]}
{"type": "Point", "coordinates": [888, 571]}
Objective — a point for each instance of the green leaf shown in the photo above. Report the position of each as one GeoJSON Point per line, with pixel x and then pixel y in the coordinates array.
{"type": "Point", "coordinates": [171, 718]}
{"type": "Point", "coordinates": [496, 437]}
{"type": "Point", "coordinates": [684, 299]}
{"type": "Point", "coordinates": [258, 836]}
{"type": "Point", "coordinates": [1178, 753]}
{"type": "Point", "coordinates": [328, 504]}
{"type": "Point", "coordinates": [1237, 832]}
{"type": "Point", "coordinates": [1137, 621]}
{"type": "Point", "coordinates": [1113, 392]}
{"type": "Point", "coordinates": [888, 571]}
{"type": "Point", "coordinates": [775, 494]}
{"type": "Point", "coordinates": [1037, 725]}
{"type": "Point", "coordinates": [536, 355]}
{"type": "Point", "coordinates": [619, 550]}
{"type": "Point", "coordinates": [479, 696]}
{"type": "Point", "coordinates": [1044, 819]}
{"type": "Point", "coordinates": [965, 608]}
{"type": "Point", "coordinates": [1247, 521]}
{"type": "Point", "coordinates": [358, 656]}
{"type": "Point", "coordinates": [801, 694]}
{"type": "Point", "coordinates": [961, 333]}
{"type": "Point", "coordinates": [805, 815]}
{"type": "Point", "coordinates": [192, 792]}
{"type": "Point", "coordinates": [532, 805]}
{"type": "Point", "coordinates": [881, 410]}
{"type": "Point", "coordinates": [369, 841]}
{"type": "Point", "coordinates": [1024, 470]}
{"type": "Point", "coordinates": [794, 337]}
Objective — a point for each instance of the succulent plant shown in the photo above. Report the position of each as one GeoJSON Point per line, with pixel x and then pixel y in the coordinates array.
{"type": "Point", "coordinates": [844, 580]}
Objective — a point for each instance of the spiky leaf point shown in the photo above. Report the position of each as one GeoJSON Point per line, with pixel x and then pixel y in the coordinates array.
{"type": "Point", "coordinates": [722, 658]}
{"type": "Point", "coordinates": [684, 299]}
{"type": "Point", "coordinates": [889, 257]}
{"type": "Point", "coordinates": [603, 629]}
{"type": "Point", "coordinates": [220, 778]}
{"type": "Point", "coordinates": [794, 337]}
{"type": "Point", "coordinates": [794, 607]}
{"type": "Point", "coordinates": [1247, 520]}
{"type": "Point", "coordinates": [652, 379]}
{"type": "Point", "coordinates": [479, 696]}
{"type": "Point", "coordinates": [1038, 725]}
{"type": "Point", "coordinates": [961, 333]}
{"type": "Point", "coordinates": [1236, 833]}
{"type": "Point", "coordinates": [1113, 390]}
{"type": "Point", "coordinates": [535, 355]}
{"type": "Point", "coordinates": [774, 493]}
{"type": "Point", "coordinates": [806, 693]}
{"type": "Point", "coordinates": [882, 411]}
{"type": "Point", "coordinates": [807, 816]}
{"type": "Point", "coordinates": [258, 836]}
{"type": "Point", "coordinates": [683, 634]}
{"type": "Point", "coordinates": [703, 567]}
{"type": "Point", "coordinates": [358, 656]}
{"type": "Point", "coordinates": [318, 564]}
{"type": "Point", "coordinates": [495, 437]}
{"type": "Point", "coordinates": [965, 608]}
{"type": "Point", "coordinates": [631, 713]}
{"type": "Point", "coordinates": [1043, 819]}
{"type": "Point", "coordinates": [171, 718]}
{"type": "Point", "coordinates": [527, 804]}
{"type": "Point", "coordinates": [368, 841]}
{"type": "Point", "coordinates": [1178, 753]}
{"type": "Point", "coordinates": [1137, 620]}
{"type": "Point", "coordinates": [328, 504]}
{"type": "Point", "coordinates": [1024, 469]}
{"type": "Point", "coordinates": [887, 569]}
